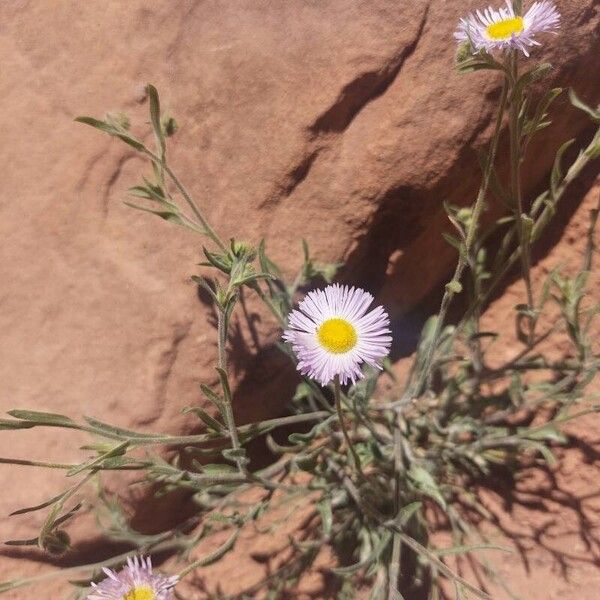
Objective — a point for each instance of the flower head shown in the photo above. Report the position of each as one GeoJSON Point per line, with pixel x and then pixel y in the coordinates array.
{"type": "Point", "coordinates": [135, 581]}
{"type": "Point", "coordinates": [504, 29]}
{"type": "Point", "coordinates": [332, 333]}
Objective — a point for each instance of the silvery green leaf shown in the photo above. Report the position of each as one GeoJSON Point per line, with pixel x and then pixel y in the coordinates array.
{"type": "Point", "coordinates": [43, 418]}
{"type": "Point", "coordinates": [557, 175]}
{"type": "Point", "coordinates": [478, 62]}
{"type": "Point", "coordinates": [544, 451]}
{"type": "Point", "coordinates": [594, 114]}
{"type": "Point", "coordinates": [235, 454]}
{"type": "Point", "coordinates": [251, 278]}
{"type": "Point", "coordinates": [406, 513]}
{"type": "Point", "coordinates": [373, 555]}
{"type": "Point", "coordinates": [113, 131]}
{"type": "Point", "coordinates": [7, 424]}
{"type": "Point", "coordinates": [120, 120]}
{"type": "Point", "coordinates": [212, 397]}
{"type": "Point", "coordinates": [453, 241]}
{"type": "Point", "coordinates": [155, 118]}
{"type": "Point", "coordinates": [118, 450]}
{"type": "Point", "coordinates": [117, 432]}
{"type": "Point", "coordinates": [547, 433]}
{"type": "Point", "coordinates": [277, 448]}
{"type": "Point", "coordinates": [266, 264]}
{"type": "Point", "coordinates": [530, 76]}
{"type": "Point", "coordinates": [167, 215]}
{"type": "Point", "coordinates": [38, 506]}
{"type": "Point", "coordinates": [224, 383]}
{"type": "Point", "coordinates": [207, 419]}
{"type": "Point", "coordinates": [29, 542]}
{"type": "Point", "coordinates": [425, 482]}
{"type": "Point", "coordinates": [219, 261]}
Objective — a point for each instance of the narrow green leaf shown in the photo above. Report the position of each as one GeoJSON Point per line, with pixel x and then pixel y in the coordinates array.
{"type": "Point", "coordinates": [425, 482]}
{"type": "Point", "coordinates": [557, 175]}
{"type": "Point", "coordinates": [547, 433]}
{"type": "Point", "coordinates": [30, 542]}
{"type": "Point", "coordinates": [112, 130]}
{"type": "Point", "coordinates": [219, 261]}
{"type": "Point", "coordinates": [209, 421]}
{"type": "Point", "coordinates": [406, 513]}
{"type": "Point", "coordinates": [117, 432]}
{"type": "Point", "coordinates": [155, 117]}
{"type": "Point", "coordinates": [22, 511]}
{"type": "Point", "coordinates": [581, 105]}
{"type": "Point", "coordinates": [212, 397]}
{"type": "Point", "coordinates": [6, 424]}
{"type": "Point", "coordinates": [167, 215]}
{"type": "Point", "coordinates": [224, 384]}
{"type": "Point", "coordinates": [97, 124]}
{"type": "Point", "coordinates": [118, 450]}
{"type": "Point", "coordinates": [43, 418]}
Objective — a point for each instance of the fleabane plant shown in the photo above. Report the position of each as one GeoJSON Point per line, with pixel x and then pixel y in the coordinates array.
{"type": "Point", "coordinates": [368, 464]}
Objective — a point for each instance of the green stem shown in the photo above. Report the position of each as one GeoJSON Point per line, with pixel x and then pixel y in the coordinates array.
{"type": "Point", "coordinates": [227, 404]}
{"type": "Point", "coordinates": [338, 406]}
{"type": "Point", "coordinates": [399, 472]}
{"type": "Point", "coordinates": [212, 234]}
{"type": "Point", "coordinates": [541, 222]}
{"type": "Point", "coordinates": [414, 390]}
{"type": "Point", "coordinates": [515, 179]}
{"type": "Point", "coordinates": [274, 310]}
{"type": "Point", "coordinates": [207, 229]}
{"type": "Point", "coordinates": [35, 463]}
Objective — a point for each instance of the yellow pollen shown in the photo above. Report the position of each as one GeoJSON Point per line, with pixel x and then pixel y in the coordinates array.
{"type": "Point", "coordinates": [337, 336]}
{"type": "Point", "coordinates": [503, 30]}
{"type": "Point", "coordinates": [139, 593]}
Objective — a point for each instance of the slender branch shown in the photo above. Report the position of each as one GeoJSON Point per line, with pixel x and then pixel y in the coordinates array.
{"type": "Point", "coordinates": [212, 234]}
{"type": "Point", "coordinates": [414, 390]}
{"type": "Point", "coordinates": [540, 223]}
{"type": "Point", "coordinates": [516, 97]}
{"type": "Point", "coordinates": [228, 404]}
{"type": "Point", "coordinates": [337, 392]}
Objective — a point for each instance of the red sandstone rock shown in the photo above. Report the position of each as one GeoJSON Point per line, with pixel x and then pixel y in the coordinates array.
{"type": "Point", "coordinates": [340, 121]}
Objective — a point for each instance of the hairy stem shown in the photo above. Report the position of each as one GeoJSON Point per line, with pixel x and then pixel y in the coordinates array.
{"type": "Point", "coordinates": [516, 98]}
{"type": "Point", "coordinates": [414, 390]}
{"type": "Point", "coordinates": [227, 404]}
{"type": "Point", "coordinates": [541, 222]}
{"type": "Point", "coordinates": [337, 392]}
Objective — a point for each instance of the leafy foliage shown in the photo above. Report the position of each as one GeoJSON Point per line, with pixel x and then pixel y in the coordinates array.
{"type": "Point", "coordinates": [368, 481]}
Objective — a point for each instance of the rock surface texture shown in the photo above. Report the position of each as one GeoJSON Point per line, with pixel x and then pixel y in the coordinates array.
{"type": "Point", "coordinates": [338, 121]}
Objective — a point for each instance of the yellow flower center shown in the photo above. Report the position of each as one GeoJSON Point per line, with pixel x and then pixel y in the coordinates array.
{"type": "Point", "coordinates": [503, 30]}
{"type": "Point", "coordinates": [139, 593]}
{"type": "Point", "coordinates": [337, 335]}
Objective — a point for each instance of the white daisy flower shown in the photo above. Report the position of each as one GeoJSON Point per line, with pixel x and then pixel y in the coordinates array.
{"type": "Point", "coordinates": [504, 29]}
{"type": "Point", "coordinates": [135, 581]}
{"type": "Point", "coordinates": [332, 333]}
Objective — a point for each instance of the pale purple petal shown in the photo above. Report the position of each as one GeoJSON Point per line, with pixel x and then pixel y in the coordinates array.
{"type": "Point", "coordinates": [542, 17]}
{"type": "Point", "coordinates": [136, 573]}
{"type": "Point", "coordinates": [348, 303]}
